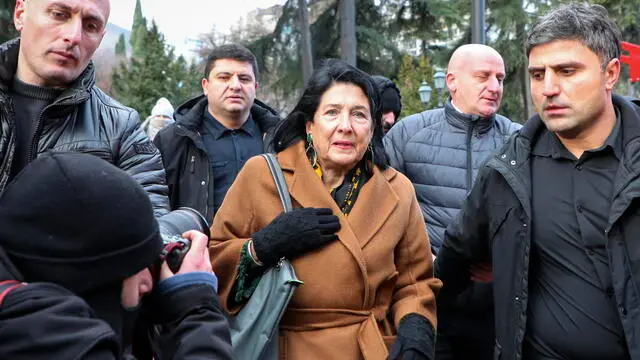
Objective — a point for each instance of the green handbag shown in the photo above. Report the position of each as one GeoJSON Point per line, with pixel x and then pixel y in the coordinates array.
{"type": "Point", "coordinates": [255, 329]}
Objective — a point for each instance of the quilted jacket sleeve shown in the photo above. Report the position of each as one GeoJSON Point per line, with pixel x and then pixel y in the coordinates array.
{"type": "Point", "coordinates": [141, 159]}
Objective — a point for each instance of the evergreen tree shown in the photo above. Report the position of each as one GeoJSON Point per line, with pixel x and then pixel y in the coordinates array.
{"type": "Point", "coordinates": [138, 31]}
{"type": "Point", "coordinates": [411, 74]}
{"type": "Point", "coordinates": [121, 46]}
{"type": "Point", "coordinates": [155, 73]}
{"type": "Point", "coordinates": [7, 30]}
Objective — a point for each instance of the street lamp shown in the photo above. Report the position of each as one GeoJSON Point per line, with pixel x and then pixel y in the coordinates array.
{"type": "Point", "coordinates": [438, 82]}
{"type": "Point", "coordinates": [425, 93]}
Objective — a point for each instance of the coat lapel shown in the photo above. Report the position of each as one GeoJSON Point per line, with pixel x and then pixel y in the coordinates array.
{"type": "Point", "coordinates": [374, 205]}
{"type": "Point", "coordinates": [307, 189]}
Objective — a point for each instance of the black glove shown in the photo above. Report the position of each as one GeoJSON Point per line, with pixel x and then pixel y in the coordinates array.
{"type": "Point", "coordinates": [294, 233]}
{"type": "Point", "coordinates": [415, 339]}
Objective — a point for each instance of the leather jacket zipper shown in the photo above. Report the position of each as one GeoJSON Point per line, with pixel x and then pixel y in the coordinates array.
{"type": "Point", "coordinates": [36, 137]}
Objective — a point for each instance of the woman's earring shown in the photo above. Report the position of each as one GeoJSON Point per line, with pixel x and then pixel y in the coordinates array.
{"type": "Point", "coordinates": [369, 167]}
{"type": "Point", "coordinates": [311, 151]}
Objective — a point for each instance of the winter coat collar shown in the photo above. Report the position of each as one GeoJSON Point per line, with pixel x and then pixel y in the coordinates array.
{"type": "Point", "coordinates": [464, 121]}
{"type": "Point", "coordinates": [190, 114]}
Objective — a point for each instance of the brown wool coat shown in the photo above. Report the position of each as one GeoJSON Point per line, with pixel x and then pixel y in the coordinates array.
{"type": "Point", "coordinates": [356, 289]}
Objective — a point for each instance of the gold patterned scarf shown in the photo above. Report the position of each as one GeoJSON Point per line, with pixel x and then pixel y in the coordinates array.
{"type": "Point", "coordinates": [345, 194]}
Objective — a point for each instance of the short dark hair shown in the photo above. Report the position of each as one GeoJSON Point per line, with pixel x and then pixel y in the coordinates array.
{"type": "Point", "coordinates": [589, 24]}
{"type": "Point", "coordinates": [331, 71]}
{"type": "Point", "coordinates": [234, 52]}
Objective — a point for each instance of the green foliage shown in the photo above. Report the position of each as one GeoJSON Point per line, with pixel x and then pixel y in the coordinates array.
{"type": "Point", "coordinates": [411, 74]}
{"type": "Point", "coordinates": [155, 73]}
{"type": "Point", "coordinates": [121, 46]}
{"type": "Point", "coordinates": [7, 30]}
{"type": "Point", "coordinates": [279, 58]}
{"type": "Point", "coordinates": [138, 31]}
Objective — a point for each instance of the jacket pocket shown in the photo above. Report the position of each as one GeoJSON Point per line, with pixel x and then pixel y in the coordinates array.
{"type": "Point", "coordinates": [497, 351]}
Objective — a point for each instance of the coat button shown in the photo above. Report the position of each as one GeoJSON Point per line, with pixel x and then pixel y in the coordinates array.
{"type": "Point", "coordinates": [512, 162]}
{"type": "Point", "coordinates": [503, 156]}
{"type": "Point", "coordinates": [203, 183]}
{"type": "Point", "coordinates": [622, 310]}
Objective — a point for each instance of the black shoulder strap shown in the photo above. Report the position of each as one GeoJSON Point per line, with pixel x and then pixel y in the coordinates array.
{"type": "Point", "coordinates": [278, 177]}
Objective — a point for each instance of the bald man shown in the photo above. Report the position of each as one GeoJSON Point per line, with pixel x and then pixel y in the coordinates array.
{"type": "Point", "coordinates": [440, 151]}
{"type": "Point", "coordinates": [48, 99]}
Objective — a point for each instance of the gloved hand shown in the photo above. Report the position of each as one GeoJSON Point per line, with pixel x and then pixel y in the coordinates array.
{"type": "Point", "coordinates": [294, 233]}
{"type": "Point", "coordinates": [415, 339]}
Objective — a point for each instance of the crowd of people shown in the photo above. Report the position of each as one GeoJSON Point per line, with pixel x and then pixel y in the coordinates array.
{"type": "Point", "coordinates": [450, 234]}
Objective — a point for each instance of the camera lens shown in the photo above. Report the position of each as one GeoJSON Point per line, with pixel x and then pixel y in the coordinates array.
{"type": "Point", "coordinates": [182, 220]}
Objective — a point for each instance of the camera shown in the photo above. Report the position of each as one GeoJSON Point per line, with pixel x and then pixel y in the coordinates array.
{"type": "Point", "coordinates": [172, 226]}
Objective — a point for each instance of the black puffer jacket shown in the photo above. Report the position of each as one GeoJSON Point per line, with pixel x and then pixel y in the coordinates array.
{"type": "Point", "coordinates": [83, 119]}
{"type": "Point", "coordinates": [440, 151]}
{"type": "Point", "coordinates": [186, 160]}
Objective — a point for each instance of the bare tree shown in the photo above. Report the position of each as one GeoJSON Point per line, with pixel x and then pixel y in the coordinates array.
{"type": "Point", "coordinates": [305, 41]}
{"type": "Point", "coordinates": [348, 42]}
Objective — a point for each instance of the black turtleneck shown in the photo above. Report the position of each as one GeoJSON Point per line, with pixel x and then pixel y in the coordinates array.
{"type": "Point", "coordinates": [28, 103]}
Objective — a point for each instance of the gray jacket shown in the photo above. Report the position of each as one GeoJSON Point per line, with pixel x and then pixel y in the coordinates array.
{"type": "Point", "coordinates": [440, 151]}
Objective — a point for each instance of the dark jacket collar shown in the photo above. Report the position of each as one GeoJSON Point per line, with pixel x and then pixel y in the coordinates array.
{"type": "Point", "coordinates": [190, 114]}
{"type": "Point", "coordinates": [464, 121]}
{"type": "Point", "coordinates": [78, 91]}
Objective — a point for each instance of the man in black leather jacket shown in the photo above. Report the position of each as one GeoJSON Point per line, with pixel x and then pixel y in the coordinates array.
{"type": "Point", "coordinates": [49, 101]}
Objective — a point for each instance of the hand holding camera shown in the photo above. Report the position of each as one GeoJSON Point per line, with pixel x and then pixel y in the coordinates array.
{"type": "Point", "coordinates": [196, 258]}
{"type": "Point", "coordinates": [185, 234]}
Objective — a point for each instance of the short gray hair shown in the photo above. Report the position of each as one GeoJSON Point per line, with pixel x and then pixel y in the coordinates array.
{"type": "Point", "coordinates": [589, 24]}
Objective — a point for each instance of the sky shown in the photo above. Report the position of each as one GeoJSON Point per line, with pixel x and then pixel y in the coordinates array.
{"type": "Point", "coordinates": [181, 24]}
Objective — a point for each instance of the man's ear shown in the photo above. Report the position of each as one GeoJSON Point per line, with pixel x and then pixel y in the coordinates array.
{"type": "Point", "coordinates": [257, 85]}
{"type": "Point", "coordinates": [611, 74]}
{"type": "Point", "coordinates": [18, 15]}
{"type": "Point", "coordinates": [452, 82]}
{"type": "Point", "coordinates": [204, 84]}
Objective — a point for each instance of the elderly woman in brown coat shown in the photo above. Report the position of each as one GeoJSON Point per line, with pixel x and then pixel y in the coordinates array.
{"type": "Point", "coordinates": [356, 236]}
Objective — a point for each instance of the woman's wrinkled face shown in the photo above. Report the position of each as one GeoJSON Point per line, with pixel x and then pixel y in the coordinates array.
{"type": "Point", "coordinates": [342, 127]}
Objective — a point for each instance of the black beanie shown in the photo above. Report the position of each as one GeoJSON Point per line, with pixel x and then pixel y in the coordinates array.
{"type": "Point", "coordinates": [389, 95]}
{"type": "Point", "coordinates": [75, 220]}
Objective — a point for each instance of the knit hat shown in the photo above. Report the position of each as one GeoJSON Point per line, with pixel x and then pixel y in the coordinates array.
{"type": "Point", "coordinates": [389, 95]}
{"type": "Point", "coordinates": [75, 220]}
{"type": "Point", "coordinates": [162, 108]}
